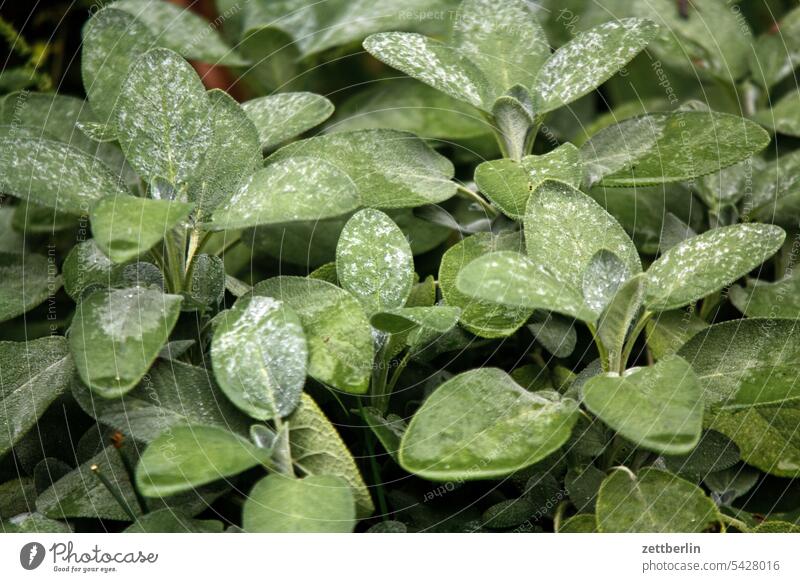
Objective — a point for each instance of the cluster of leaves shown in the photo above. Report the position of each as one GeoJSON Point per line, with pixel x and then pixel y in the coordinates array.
{"type": "Point", "coordinates": [556, 342]}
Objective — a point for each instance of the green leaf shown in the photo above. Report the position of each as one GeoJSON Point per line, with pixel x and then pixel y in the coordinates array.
{"type": "Point", "coordinates": [441, 66]}
{"type": "Point", "coordinates": [389, 169]}
{"type": "Point", "coordinates": [652, 502]}
{"type": "Point", "coordinates": [183, 31]}
{"type": "Point", "coordinates": [34, 374]}
{"type": "Point", "coordinates": [374, 261]}
{"type": "Point", "coordinates": [483, 318]}
{"type": "Point", "coordinates": [34, 523]}
{"type": "Point", "coordinates": [283, 116]}
{"type": "Point", "coordinates": [406, 104]}
{"type": "Point", "coordinates": [185, 457]}
{"type": "Point", "coordinates": [440, 318]}
{"type": "Point", "coordinates": [168, 520]}
{"type": "Point", "coordinates": [233, 155]}
{"type": "Point", "coordinates": [162, 117]}
{"type": "Point", "coordinates": [618, 316]}
{"type": "Point", "coordinates": [714, 452]}
{"type": "Point", "coordinates": [31, 166]}
{"type": "Point", "coordinates": [767, 436]}
{"type": "Point", "coordinates": [589, 60]}
{"type": "Point", "coordinates": [509, 184]}
{"type": "Point", "coordinates": [86, 266]}
{"type": "Point", "coordinates": [319, 450]}
{"type": "Point", "coordinates": [469, 428]}
{"type": "Point", "coordinates": [776, 526]}
{"type": "Point", "coordinates": [81, 493]}
{"type": "Point", "coordinates": [315, 504]}
{"type": "Point", "coordinates": [764, 299]}
{"type": "Point", "coordinates": [259, 356]}
{"type": "Point", "coordinates": [708, 262]}
{"type": "Point", "coordinates": [294, 189]}
{"type": "Point", "coordinates": [658, 407]}
{"type": "Point", "coordinates": [565, 228]}
{"type": "Point", "coordinates": [117, 334]}
{"type": "Point", "coordinates": [504, 40]}
{"type": "Point", "coordinates": [28, 280]}
{"type": "Point", "coordinates": [783, 116]}
{"type": "Point", "coordinates": [125, 227]}
{"type": "Point", "coordinates": [514, 280]}
{"type": "Point", "coordinates": [669, 330]}
{"type": "Point", "coordinates": [172, 394]}
{"type": "Point", "coordinates": [774, 56]}
{"type": "Point", "coordinates": [206, 287]}
{"type": "Point", "coordinates": [388, 429]}
{"type": "Point", "coordinates": [338, 335]}
{"type": "Point", "coordinates": [602, 277]}
{"type": "Point", "coordinates": [669, 147]}
{"type": "Point", "coordinates": [112, 41]}
{"type": "Point", "coordinates": [746, 362]}
{"type": "Point", "coordinates": [580, 523]}
{"type": "Point", "coordinates": [555, 333]}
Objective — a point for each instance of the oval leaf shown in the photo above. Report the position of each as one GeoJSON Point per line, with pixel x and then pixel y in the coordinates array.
{"type": "Point", "coordinates": [283, 116]}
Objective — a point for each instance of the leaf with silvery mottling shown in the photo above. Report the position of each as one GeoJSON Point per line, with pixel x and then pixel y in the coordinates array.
{"type": "Point", "coordinates": [125, 226]}
{"type": "Point", "coordinates": [774, 56]}
{"type": "Point", "coordinates": [233, 155]}
{"type": "Point", "coordinates": [259, 355]}
{"type": "Point", "coordinates": [16, 496]}
{"type": "Point", "coordinates": [556, 333]}
{"type": "Point", "coordinates": [183, 31]}
{"type": "Point", "coordinates": [30, 166]}
{"type": "Point", "coordinates": [374, 261]}
{"type": "Point", "coordinates": [652, 501]}
{"type": "Point", "coordinates": [767, 436]}
{"type": "Point", "coordinates": [293, 189]}
{"type": "Point", "coordinates": [187, 456]}
{"type": "Point", "coordinates": [564, 228]}
{"type": "Point", "coordinates": [602, 278]}
{"type": "Point", "coordinates": [483, 318]}
{"type": "Point", "coordinates": [389, 169]}
{"type": "Point", "coordinates": [388, 429]}
{"type": "Point", "coordinates": [112, 41]}
{"type": "Point", "coordinates": [783, 116]}
{"type": "Point", "coordinates": [28, 280]}
{"type": "Point", "coordinates": [772, 196]}
{"type": "Point", "coordinates": [669, 330]}
{"type": "Point", "coordinates": [509, 184]}
{"type": "Point", "coordinates": [338, 334]}
{"type": "Point", "coordinates": [314, 504]}
{"type": "Point", "coordinates": [765, 299]}
{"type": "Point", "coordinates": [172, 394]}
{"type": "Point", "coordinates": [659, 407]}
{"type": "Point", "coordinates": [714, 452]}
{"type": "Point", "coordinates": [590, 59]}
{"type": "Point", "coordinates": [283, 116]}
{"type": "Point", "coordinates": [117, 334]}
{"type": "Point", "coordinates": [747, 362]}
{"type": "Point", "coordinates": [206, 286]}
{"type": "Point", "coordinates": [406, 104]}
{"type": "Point", "coordinates": [618, 316]}
{"type": "Point", "coordinates": [434, 63]}
{"type": "Point", "coordinates": [504, 40]}
{"type": "Point", "coordinates": [82, 494]}
{"type": "Point", "coordinates": [466, 429]}
{"type": "Point", "coordinates": [669, 147]}
{"type": "Point", "coordinates": [514, 280]}
{"type": "Point", "coordinates": [163, 117]}
{"type": "Point", "coordinates": [34, 374]}
{"type": "Point", "coordinates": [708, 262]}
{"type": "Point", "coordinates": [317, 448]}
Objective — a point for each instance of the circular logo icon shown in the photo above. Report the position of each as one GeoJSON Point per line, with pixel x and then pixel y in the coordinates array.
{"type": "Point", "coordinates": [31, 555]}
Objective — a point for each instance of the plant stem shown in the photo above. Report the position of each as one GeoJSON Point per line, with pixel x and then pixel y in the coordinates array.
{"type": "Point", "coordinates": [637, 330]}
{"type": "Point", "coordinates": [559, 516]}
{"type": "Point", "coordinates": [477, 198]}
{"type": "Point", "coordinates": [601, 349]}
{"type": "Point", "coordinates": [114, 492]}
{"type": "Point", "coordinates": [396, 375]}
{"type": "Point", "coordinates": [726, 520]}
{"type": "Point", "coordinates": [373, 463]}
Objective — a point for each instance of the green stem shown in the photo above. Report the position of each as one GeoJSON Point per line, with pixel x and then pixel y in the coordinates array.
{"type": "Point", "coordinates": [114, 492]}
{"type": "Point", "coordinates": [709, 303]}
{"type": "Point", "coordinates": [477, 198]}
{"type": "Point", "coordinates": [637, 330]}
{"type": "Point", "coordinates": [376, 473]}
{"type": "Point", "coordinates": [396, 375]}
{"type": "Point", "coordinates": [726, 520]}
{"type": "Point", "coordinates": [559, 516]}
{"type": "Point", "coordinates": [601, 349]}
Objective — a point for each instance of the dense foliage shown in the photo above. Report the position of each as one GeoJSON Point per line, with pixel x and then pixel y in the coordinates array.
{"type": "Point", "coordinates": [541, 281]}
